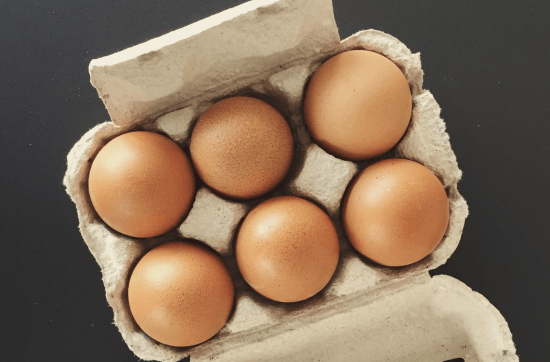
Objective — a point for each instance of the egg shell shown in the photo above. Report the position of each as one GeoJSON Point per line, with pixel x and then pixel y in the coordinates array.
{"type": "Point", "coordinates": [241, 147]}
{"type": "Point", "coordinates": [395, 212]}
{"type": "Point", "coordinates": [287, 249]}
{"type": "Point", "coordinates": [180, 293]}
{"type": "Point", "coordinates": [357, 105]}
{"type": "Point", "coordinates": [141, 184]}
{"type": "Point", "coordinates": [350, 319]}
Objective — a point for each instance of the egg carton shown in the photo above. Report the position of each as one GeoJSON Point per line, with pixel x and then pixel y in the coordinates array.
{"type": "Point", "coordinates": [269, 49]}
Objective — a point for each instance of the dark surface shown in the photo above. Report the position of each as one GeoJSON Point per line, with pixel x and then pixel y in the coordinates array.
{"type": "Point", "coordinates": [485, 61]}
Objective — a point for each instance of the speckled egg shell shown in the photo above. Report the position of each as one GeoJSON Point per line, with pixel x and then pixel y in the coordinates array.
{"type": "Point", "coordinates": [241, 147]}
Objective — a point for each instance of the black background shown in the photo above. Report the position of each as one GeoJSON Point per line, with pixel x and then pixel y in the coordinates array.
{"type": "Point", "coordinates": [486, 62]}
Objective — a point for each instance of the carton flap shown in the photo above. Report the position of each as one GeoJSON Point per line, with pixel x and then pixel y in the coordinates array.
{"type": "Point", "coordinates": [165, 73]}
{"type": "Point", "coordinates": [421, 321]}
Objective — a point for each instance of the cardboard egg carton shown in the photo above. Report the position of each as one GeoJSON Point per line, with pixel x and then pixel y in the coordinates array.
{"type": "Point", "coordinates": [269, 49]}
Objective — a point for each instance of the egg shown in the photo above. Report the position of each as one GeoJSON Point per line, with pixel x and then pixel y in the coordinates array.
{"type": "Point", "coordinates": [287, 249]}
{"type": "Point", "coordinates": [395, 212]}
{"type": "Point", "coordinates": [141, 184]}
{"type": "Point", "coordinates": [241, 147]}
{"type": "Point", "coordinates": [357, 105]}
{"type": "Point", "coordinates": [181, 293]}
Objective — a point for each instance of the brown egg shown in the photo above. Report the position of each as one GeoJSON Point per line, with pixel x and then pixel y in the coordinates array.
{"type": "Point", "coordinates": [241, 147]}
{"type": "Point", "coordinates": [181, 293]}
{"type": "Point", "coordinates": [357, 105]}
{"type": "Point", "coordinates": [287, 249]}
{"type": "Point", "coordinates": [395, 212]}
{"type": "Point", "coordinates": [141, 184]}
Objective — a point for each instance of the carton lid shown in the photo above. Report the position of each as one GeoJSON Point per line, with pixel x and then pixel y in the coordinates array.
{"type": "Point", "coordinates": [425, 319]}
{"type": "Point", "coordinates": [166, 73]}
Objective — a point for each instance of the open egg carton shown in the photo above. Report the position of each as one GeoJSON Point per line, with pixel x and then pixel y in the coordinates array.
{"type": "Point", "coordinates": [269, 49]}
